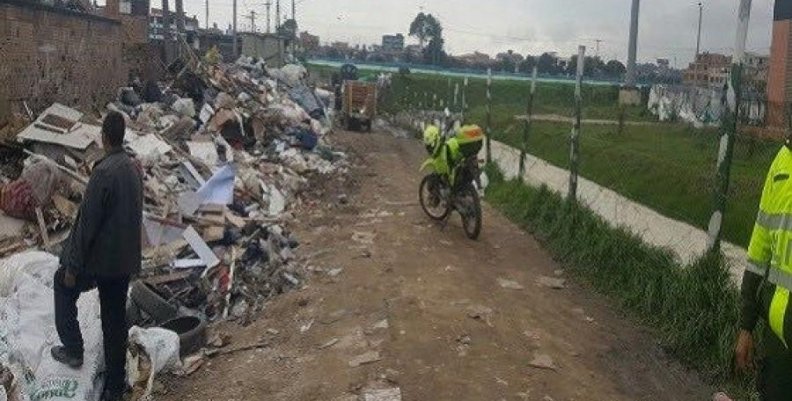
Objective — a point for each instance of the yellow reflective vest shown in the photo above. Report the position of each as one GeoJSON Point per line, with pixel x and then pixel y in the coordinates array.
{"type": "Point", "coordinates": [770, 249]}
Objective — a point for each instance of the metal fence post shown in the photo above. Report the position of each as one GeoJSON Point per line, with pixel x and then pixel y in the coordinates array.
{"type": "Point", "coordinates": [731, 105]}
{"type": "Point", "coordinates": [464, 99]}
{"type": "Point", "coordinates": [489, 114]}
{"type": "Point", "coordinates": [450, 94]}
{"type": "Point", "coordinates": [528, 118]}
{"type": "Point", "coordinates": [574, 143]}
{"type": "Point", "coordinates": [456, 95]}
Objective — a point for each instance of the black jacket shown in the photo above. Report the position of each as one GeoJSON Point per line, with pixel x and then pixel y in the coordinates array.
{"type": "Point", "coordinates": [106, 238]}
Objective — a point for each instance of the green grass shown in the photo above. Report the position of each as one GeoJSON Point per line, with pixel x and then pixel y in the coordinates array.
{"type": "Point", "coordinates": [511, 96]}
{"type": "Point", "coordinates": [668, 167]}
{"type": "Point", "coordinates": [693, 309]}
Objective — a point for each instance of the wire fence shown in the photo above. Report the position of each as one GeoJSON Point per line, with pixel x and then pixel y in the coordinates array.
{"type": "Point", "coordinates": [658, 178]}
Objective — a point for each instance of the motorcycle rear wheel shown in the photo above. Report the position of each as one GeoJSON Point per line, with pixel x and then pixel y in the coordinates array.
{"type": "Point", "coordinates": [470, 211]}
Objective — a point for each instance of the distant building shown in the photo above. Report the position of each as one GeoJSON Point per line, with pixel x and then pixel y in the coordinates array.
{"type": "Point", "coordinates": [340, 46]}
{"type": "Point", "coordinates": [708, 70]}
{"type": "Point", "coordinates": [663, 63]}
{"type": "Point", "coordinates": [157, 25]}
{"type": "Point", "coordinates": [393, 43]}
{"type": "Point", "coordinates": [309, 43]}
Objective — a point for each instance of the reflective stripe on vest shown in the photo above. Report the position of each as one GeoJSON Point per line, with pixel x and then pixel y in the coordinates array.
{"type": "Point", "coordinates": [775, 221]}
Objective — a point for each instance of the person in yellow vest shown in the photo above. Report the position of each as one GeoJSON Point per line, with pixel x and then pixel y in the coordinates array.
{"type": "Point", "coordinates": [766, 284]}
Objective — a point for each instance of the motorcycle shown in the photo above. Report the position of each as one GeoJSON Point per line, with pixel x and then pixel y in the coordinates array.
{"type": "Point", "coordinates": [453, 182]}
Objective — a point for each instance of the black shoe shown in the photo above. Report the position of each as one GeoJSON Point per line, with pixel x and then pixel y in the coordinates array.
{"type": "Point", "coordinates": [62, 355]}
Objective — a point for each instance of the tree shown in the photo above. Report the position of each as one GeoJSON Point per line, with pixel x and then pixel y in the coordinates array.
{"type": "Point", "coordinates": [433, 53]}
{"type": "Point", "coordinates": [527, 65]}
{"type": "Point", "coordinates": [593, 67]}
{"type": "Point", "coordinates": [288, 29]}
{"type": "Point", "coordinates": [425, 27]}
{"type": "Point", "coordinates": [547, 64]}
{"type": "Point", "coordinates": [509, 61]}
{"type": "Point", "coordinates": [429, 32]}
{"type": "Point", "coordinates": [615, 69]}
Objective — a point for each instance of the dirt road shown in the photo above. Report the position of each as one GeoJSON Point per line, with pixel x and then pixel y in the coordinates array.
{"type": "Point", "coordinates": [434, 314]}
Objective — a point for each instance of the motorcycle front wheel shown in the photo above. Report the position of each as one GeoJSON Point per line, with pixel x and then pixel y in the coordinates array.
{"type": "Point", "coordinates": [470, 210]}
{"type": "Point", "coordinates": [432, 201]}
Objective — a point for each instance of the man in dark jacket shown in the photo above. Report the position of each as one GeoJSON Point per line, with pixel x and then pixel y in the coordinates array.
{"type": "Point", "coordinates": [104, 251]}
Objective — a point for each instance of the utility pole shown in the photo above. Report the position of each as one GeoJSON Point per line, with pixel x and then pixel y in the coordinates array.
{"type": "Point", "coordinates": [294, 39]}
{"type": "Point", "coordinates": [277, 15]}
{"type": "Point", "coordinates": [166, 32]}
{"type": "Point", "coordinates": [698, 38]}
{"type": "Point", "coordinates": [179, 20]}
{"type": "Point", "coordinates": [268, 4]}
{"type": "Point", "coordinates": [236, 45]}
{"type": "Point", "coordinates": [698, 45]}
{"type": "Point", "coordinates": [730, 104]}
{"type": "Point", "coordinates": [252, 21]}
{"type": "Point", "coordinates": [207, 15]}
{"type": "Point", "coordinates": [633, 47]}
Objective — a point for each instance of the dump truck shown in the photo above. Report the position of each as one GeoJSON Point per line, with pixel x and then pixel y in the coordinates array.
{"type": "Point", "coordinates": [359, 104]}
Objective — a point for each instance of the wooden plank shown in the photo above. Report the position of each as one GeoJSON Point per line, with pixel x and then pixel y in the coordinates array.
{"type": "Point", "coordinates": [42, 227]}
{"type": "Point", "coordinates": [64, 206]}
{"type": "Point", "coordinates": [235, 220]}
{"type": "Point", "coordinates": [168, 278]}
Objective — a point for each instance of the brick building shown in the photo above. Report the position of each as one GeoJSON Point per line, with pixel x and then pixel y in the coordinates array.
{"type": "Point", "coordinates": [779, 81]}
{"type": "Point", "coordinates": [54, 54]}
{"type": "Point", "coordinates": [708, 70]}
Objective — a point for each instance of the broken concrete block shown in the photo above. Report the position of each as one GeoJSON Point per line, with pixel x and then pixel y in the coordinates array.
{"type": "Point", "coordinates": [388, 394]}
{"type": "Point", "coordinates": [366, 358]}
{"type": "Point", "coordinates": [551, 282]}
{"type": "Point", "coordinates": [509, 284]}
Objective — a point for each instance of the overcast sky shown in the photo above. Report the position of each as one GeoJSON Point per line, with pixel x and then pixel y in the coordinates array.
{"type": "Point", "coordinates": [667, 27]}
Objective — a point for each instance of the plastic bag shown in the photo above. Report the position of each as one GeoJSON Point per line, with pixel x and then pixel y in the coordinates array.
{"type": "Point", "coordinates": [150, 352]}
{"type": "Point", "coordinates": [38, 265]}
{"type": "Point", "coordinates": [27, 332]}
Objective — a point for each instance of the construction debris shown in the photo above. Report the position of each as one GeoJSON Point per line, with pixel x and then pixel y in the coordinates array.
{"type": "Point", "coordinates": [510, 284]}
{"type": "Point", "coordinates": [551, 282]}
{"type": "Point", "coordinates": [389, 394]}
{"type": "Point", "coordinates": [364, 359]}
{"type": "Point", "coordinates": [542, 361]}
{"type": "Point", "coordinates": [225, 152]}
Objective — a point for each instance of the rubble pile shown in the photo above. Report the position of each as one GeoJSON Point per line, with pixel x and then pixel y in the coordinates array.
{"type": "Point", "coordinates": [225, 151]}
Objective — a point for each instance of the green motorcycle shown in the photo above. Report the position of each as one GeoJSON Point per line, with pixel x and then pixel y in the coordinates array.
{"type": "Point", "coordinates": [453, 182]}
